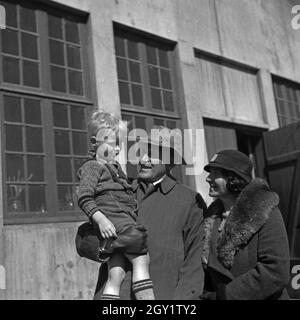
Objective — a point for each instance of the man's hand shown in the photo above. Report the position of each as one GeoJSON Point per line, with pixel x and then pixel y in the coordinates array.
{"type": "Point", "coordinates": [106, 227]}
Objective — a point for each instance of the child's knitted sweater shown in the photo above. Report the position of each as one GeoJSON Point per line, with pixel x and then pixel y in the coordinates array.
{"type": "Point", "coordinates": [99, 191]}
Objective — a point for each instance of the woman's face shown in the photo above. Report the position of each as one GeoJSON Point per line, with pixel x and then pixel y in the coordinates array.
{"type": "Point", "coordinates": [217, 183]}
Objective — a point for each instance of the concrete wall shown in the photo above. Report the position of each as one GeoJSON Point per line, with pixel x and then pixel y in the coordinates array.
{"type": "Point", "coordinates": [40, 260]}
{"type": "Point", "coordinates": [42, 264]}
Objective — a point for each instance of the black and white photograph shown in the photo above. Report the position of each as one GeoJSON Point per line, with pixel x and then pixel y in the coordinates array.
{"type": "Point", "coordinates": [150, 150]}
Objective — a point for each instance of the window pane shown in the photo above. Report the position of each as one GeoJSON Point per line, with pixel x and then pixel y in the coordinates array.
{"type": "Point", "coordinates": [12, 109]}
{"type": "Point", "coordinates": [140, 122]}
{"type": "Point", "coordinates": [297, 107]}
{"type": "Point", "coordinates": [37, 200]}
{"type": "Point", "coordinates": [34, 139]}
{"type": "Point", "coordinates": [124, 92]}
{"type": "Point", "coordinates": [165, 79]}
{"type": "Point", "coordinates": [291, 112]}
{"type": "Point", "coordinates": [62, 142]}
{"type": "Point", "coordinates": [32, 111]}
{"type": "Point", "coordinates": [151, 55]}
{"type": "Point", "coordinates": [11, 14]}
{"type": "Point", "coordinates": [158, 122]}
{"type": "Point", "coordinates": [137, 95]}
{"type": "Point", "coordinates": [78, 118]}
{"type": "Point", "coordinates": [57, 52]}
{"type": "Point", "coordinates": [66, 198]}
{"type": "Point", "coordinates": [168, 100]}
{"type": "Point", "coordinates": [10, 42]}
{"type": "Point", "coordinates": [289, 93]}
{"type": "Point", "coordinates": [294, 93]}
{"type": "Point", "coordinates": [31, 73]}
{"type": "Point", "coordinates": [55, 27]}
{"type": "Point", "coordinates": [75, 82]}
{"type": "Point", "coordinates": [285, 121]}
{"type": "Point", "coordinates": [134, 69]}
{"type": "Point", "coordinates": [163, 58]}
{"type": "Point", "coordinates": [153, 76]}
{"type": "Point", "coordinates": [280, 90]}
{"type": "Point", "coordinates": [122, 69]}
{"type": "Point", "coordinates": [13, 138]}
{"type": "Point", "coordinates": [120, 46]}
{"type": "Point", "coordinates": [60, 115]}
{"type": "Point", "coordinates": [79, 143]}
{"type": "Point", "coordinates": [27, 19]}
{"type": "Point", "coordinates": [58, 79]}
{"type": "Point", "coordinates": [29, 46]}
{"type": "Point", "coordinates": [11, 70]}
{"type": "Point", "coordinates": [171, 124]}
{"type": "Point", "coordinates": [133, 52]}
{"type": "Point", "coordinates": [156, 99]}
{"type": "Point", "coordinates": [35, 168]}
{"type": "Point", "coordinates": [63, 170]}
{"type": "Point", "coordinates": [16, 197]}
{"type": "Point", "coordinates": [73, 54]}
{"type": "Point", "coordinates": [281, 107]}
{"type": "Point", "coordinates": [72, 34]}
{"type": "Point", "coordinates": [14, 167]}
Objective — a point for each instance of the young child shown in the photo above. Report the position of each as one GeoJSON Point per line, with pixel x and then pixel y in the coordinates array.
{"type": "Point", "coordinates": [107, 198]}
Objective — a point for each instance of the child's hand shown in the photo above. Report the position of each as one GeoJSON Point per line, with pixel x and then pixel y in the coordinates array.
{"type": "Point", "coordinates": [106, 227]}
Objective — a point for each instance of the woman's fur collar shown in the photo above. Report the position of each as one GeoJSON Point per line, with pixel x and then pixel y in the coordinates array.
{"type": "Point", "coordinates": [249, 213]}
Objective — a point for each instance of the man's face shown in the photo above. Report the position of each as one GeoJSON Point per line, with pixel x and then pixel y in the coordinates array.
{"type": "Point", "coordinates": [150, 172]}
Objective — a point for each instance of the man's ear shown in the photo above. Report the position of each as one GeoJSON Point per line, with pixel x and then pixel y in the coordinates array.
{"type": "Point", "coordinates": [169, 167]}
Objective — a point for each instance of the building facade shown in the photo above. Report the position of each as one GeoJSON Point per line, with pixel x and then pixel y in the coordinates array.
{"type": "Point", "coordinates": [228, 67]}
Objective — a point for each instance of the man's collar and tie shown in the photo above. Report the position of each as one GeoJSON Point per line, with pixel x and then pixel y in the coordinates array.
{"type": "Point", "coordinates": [165, 184]}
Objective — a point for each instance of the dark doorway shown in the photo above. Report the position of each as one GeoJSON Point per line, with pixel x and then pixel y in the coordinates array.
{"type": "Point", "coordinates": [221, 135]}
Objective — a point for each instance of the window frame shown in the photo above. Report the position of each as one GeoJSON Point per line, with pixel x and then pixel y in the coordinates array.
{"type": "Point", "coordinates": [286, 85]}
{"type": "Point", "coordinates": [143, 39]}
{"type": "Point", "coordinates": [46, 95]}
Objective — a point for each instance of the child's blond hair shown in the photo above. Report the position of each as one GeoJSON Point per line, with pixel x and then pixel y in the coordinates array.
{"type": "Point", "coordinates": [101, 119]}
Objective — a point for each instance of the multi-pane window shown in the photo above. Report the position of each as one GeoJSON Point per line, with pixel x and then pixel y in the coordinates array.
{"type": "Point", "coordinates": [25, 154]}
{"type": "Point", "coordinates": [146, 76]}
{"type": "Point", "coordinates": [160, 79]}
{"type": "Point", "coordinates": [44, 101]}
{"type": "Point", "coordinates": [20, 44]}
{"type": "Point", "coordinates": [145, 73]}
{"type": "Point", "coordinates": [129, 72]}
{"type": "Point", "coordinates": [70, 143]}
{"type": "Point", "coordinates": [65, 55]}
{"type": "Point", "coordinates": [287, 97]}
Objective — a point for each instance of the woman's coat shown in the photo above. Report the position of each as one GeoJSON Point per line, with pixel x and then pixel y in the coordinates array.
{"type": "Point", "coordinates": [249, 259]}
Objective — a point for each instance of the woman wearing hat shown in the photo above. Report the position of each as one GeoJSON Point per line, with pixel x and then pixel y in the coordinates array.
{"type": "Point", "coordinates": [246, 252]}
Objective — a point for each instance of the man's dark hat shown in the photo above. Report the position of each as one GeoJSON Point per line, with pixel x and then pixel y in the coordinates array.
{"type": "Point", "coordinates": [165, 144]}
{"type": "Point", "coordinates": [232, 160]}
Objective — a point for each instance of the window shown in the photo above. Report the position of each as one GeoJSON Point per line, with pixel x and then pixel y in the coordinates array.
{"type": "Point", "coordinates": [45, 103]}
{"type": "Point", "coordinates": [287, 97]}
{"type": "Point", "coordinates": [65, 55]}
{"type": "Point", "coordinates": [228, 89]}
{"type": "Point", "coordinates": [20, 41]}
{"type": "Point", "coordinates": [147, 86]}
